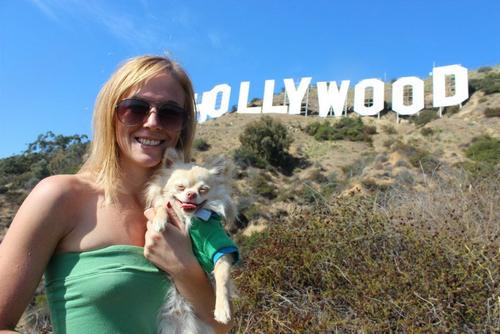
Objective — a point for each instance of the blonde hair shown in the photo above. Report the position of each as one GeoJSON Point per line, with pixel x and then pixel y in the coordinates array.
{"type": "Point", "coordinates": [103, 156]}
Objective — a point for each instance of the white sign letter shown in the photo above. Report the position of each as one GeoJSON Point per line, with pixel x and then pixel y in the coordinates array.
{"type": "Point", "coordinates": [209, 99]}
{"type": "Point", "coordinates": [377, 98]}
{"type": "Point", "coordinates": [202, 116]}
{"type": "Point", "coordinates": [439, 85]}
{"type": "Point", "coordinates": [243, 107]}
{"type": "Point", "coordinates": [267, 103]}
{"type": "Point", "coordinates": [417, 95]}
{"type": "Point", "coordinates": [295, 96]}
{"type": "Point", "coordinates": [330, 96]}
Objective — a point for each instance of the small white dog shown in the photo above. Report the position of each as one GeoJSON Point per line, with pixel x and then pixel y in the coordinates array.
{"type": "Point", "coordinates": [198, 191]}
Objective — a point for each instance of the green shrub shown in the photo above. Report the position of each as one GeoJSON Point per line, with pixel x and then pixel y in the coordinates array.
{"type": "Point", "coordinates": [346, 128]}
{"type": "Point", "coordinates": [268, 140]}
{"type": "Point", "coordinates": [357, 167]}
{"type": "Point", "coordinates": [201, 144]}
{"type": "Point", "coordinates": [263, 186]}
{"type": "Point", "coordinates": [427, 264]}
{"type": "Point", "coordinates": [477, 170]}
{"type": "Point", "coordinates": [489, 84]}
{"type": "Point", "coordinates": [427, 131]}
{"type": "Point", "coordinates": [418, 158]}
{"type": "Point", "coordinates": [484, 149]}
{"type": "Point", "coordinates": [484, 69]}
{"type": "Point", "coordinates": [424, 117]}
{"type": "Point", "coordinates": [312, 128]}
{"type": "Point", "coordinates": [389, 129]}
{"type": "Point", "coordinates": [451, 110]}
{"type": "Point", "coordinates": [308, 195]}
{"type": "Point", "coordinates": [492, 112]}
{"type": "Point", "coordinates": [50, 154]}
{"type": "Point", "coordinates": [245, 158]}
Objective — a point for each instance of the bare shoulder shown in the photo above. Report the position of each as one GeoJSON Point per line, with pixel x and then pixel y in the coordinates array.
{"type": "Point", "coordinates": [42, 221]}
{"type": "Point", "coordinates": [63, 190]}
{"type": "Point", "coordinates": [54, 201]}
{"type": "Point", "coordinates": [60, 186]}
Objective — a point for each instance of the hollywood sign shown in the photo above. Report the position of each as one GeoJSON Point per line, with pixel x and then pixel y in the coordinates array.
{"type": "Point", "coordinates": [331, 97]}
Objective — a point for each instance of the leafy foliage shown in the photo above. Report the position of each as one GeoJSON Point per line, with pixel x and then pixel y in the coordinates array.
{"type": "Point", "coordinates": [50, 154]}
{"type": "Point", "coordinates": [484, 149]}
{"type": "Point", "coordinates": [265, 140]}
{"type": "Point", "coordinates": [424, 117]}
{"type": "Point", "coordinates": [492, 112]}
{"type": "Point", "coordinates": [246, 158]}
{"type": "Point", "coordinates": [346, 128]}
{"type": "Point", "coordinates": [263, 185]}
{"type": "Point", "coordinates": [489, 84]}
{"type": "Point", "coordinates": [417, 157]}
{"type": "Point", "coordinates": [485, 69]}
{"type": "Point", "coordinates": [427, 132]}
{"type": "Point", "coordinates": [429, 263]}
{"type": "Point", "coordinates": [201, 144]}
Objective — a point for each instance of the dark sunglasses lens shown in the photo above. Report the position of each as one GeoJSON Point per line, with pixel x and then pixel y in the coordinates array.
{"type": "Point", "coordinates": [171, 117]}
{"type": "Point", "coordinates": [132, 112]}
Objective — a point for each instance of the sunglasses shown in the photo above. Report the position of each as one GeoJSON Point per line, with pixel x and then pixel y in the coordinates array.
{"type": "Point", "coordinates": [134, 111]}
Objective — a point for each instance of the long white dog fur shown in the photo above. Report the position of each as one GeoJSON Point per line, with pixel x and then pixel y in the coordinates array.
{"type": "Point", "coordinates": [188, 187]}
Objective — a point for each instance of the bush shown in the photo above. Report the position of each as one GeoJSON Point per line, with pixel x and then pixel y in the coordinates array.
{"type": "Point", "coordinates": [268, 140]}
{"type": "Point", "coordinates": [484, 69]}
{"type": "Point", "coordinates": [427, 132]}
{"type": "Point", "coordinates": [428, 263]}
{"type": "Point", "coordinates": [424, 117]}
{"type": "Point", "coordinates": [389, 129]}
{"type": "Point", "coordinates": [489, 84]}
{"type": "Point", "coordinates": [263, 186]}
{"type": "Point", "coordinates": [451, 110]}
{"type": "Point", "coordinates": [50, 154]}
{"type": "Point", "coordinates": [492, 112]}
{"type": "Point", "coordinates": [346, 128]}
{"type": "Point", "coordinates": [201, 144]}
{"type": "Point", "coordinates": [417, 157]}
{"type": "Point", "coordinates": [245, 158]}
{"type": "Point", "coordinates": [357, 167]}
{"type": "Point", "coordinates": [484, 149]}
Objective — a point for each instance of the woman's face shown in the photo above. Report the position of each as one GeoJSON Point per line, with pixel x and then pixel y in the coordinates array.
{"type": "Point", "coordinates": [143, 144]}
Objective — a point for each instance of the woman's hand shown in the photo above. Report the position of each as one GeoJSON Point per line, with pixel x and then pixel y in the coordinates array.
{"type": "Point", "coordinates": [170, 250]}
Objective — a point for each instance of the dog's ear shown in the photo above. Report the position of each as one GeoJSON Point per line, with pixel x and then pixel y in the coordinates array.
{"type": "Point", "coordinates": [220, 166]}
{"type": "Point", "coordinates": [171, 156]}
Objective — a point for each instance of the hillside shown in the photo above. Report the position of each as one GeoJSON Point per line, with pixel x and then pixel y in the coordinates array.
{"type": "Point", "coordinates": [396, 231]}
{"type": "Point", "coordinates": [390, 159]}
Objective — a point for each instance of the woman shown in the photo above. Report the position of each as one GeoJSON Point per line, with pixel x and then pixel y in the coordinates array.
{"type": "Point", "coordinates": [88, 231]}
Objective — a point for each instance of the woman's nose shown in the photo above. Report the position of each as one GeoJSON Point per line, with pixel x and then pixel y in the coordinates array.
{"type": "Point", "coordinates": [153, 121]}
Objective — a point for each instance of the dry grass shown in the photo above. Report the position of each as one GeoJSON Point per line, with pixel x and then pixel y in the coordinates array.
{"type": "Point", "coordinates": [401, 261]}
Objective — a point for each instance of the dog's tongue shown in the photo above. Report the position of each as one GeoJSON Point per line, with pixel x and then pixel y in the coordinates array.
{"type": "Point", "coordinates": [188, 206]}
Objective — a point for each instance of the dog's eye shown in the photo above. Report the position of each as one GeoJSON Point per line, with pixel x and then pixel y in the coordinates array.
{"type": "Point", "coordinates": [204, 190]}
{"type": "Point", "coordinates": [180, 187]}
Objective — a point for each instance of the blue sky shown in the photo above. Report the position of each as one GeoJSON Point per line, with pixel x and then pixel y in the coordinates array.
{"type": "Point", "coordinates": [56, 54]}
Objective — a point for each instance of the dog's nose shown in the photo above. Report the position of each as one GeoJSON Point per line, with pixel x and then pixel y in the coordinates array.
{"type": "Point", "coordinates": [191, 195]}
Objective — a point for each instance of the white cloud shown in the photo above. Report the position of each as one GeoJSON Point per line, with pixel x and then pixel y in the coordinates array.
{"type": "Point", "coordinates": [119, 24]}
{"type": "Point", "coordinates": [170, 26]}
{"type": "Point", "coordinates": [45, 9]}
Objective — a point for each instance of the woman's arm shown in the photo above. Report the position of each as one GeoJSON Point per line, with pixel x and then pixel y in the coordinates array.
{"type": "Point", "coordinates": [28, 245]}
{"type": "Point", "coordinates": [171, 251]}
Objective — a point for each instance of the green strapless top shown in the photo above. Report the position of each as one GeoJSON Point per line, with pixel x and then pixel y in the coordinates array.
{"type": "Point", "coordinates": [114, 289]}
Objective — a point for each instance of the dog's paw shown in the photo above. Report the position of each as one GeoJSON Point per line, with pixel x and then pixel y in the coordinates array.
{"type": "Point", "coordinates": [222, 314]}
{"type": "Point", "coordinates": [158, 226]}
